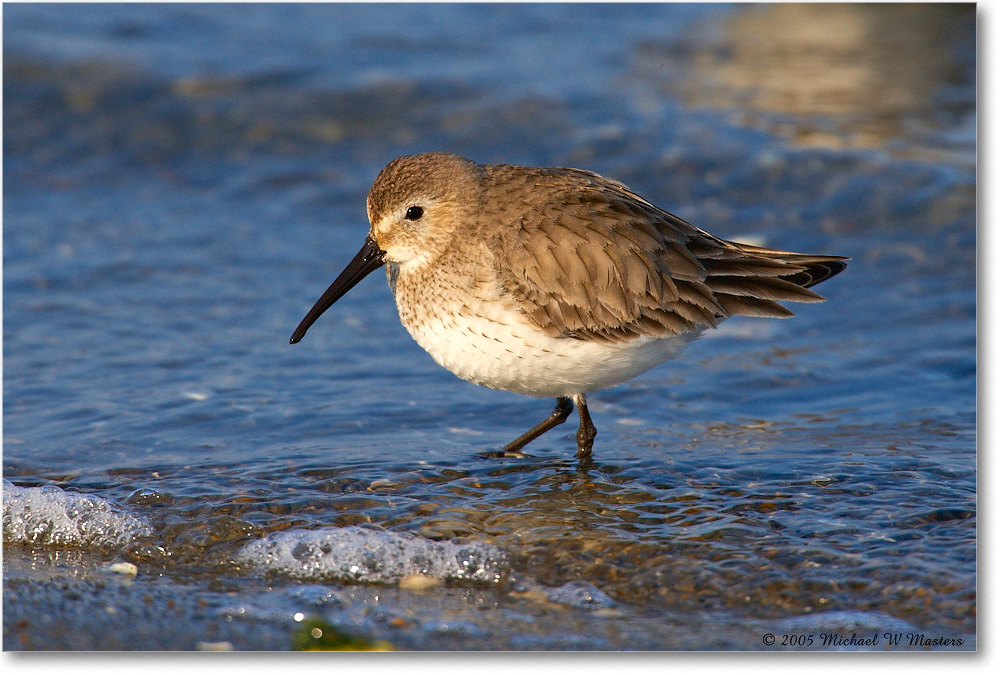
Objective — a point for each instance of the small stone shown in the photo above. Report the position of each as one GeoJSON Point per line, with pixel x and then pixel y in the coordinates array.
{"type": "Point", "coordinates": [581, 595]}
{"type": "Point", "coordinates": [214, 647]}
{"type": "Point", "coordinates": [418, 582]}
{"type": "Point", "coordinates": [126, 568]}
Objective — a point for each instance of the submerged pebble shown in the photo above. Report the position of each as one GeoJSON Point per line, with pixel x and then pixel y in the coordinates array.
{"type": "Point", "coordinates": [124, 568]}
{"type": "Point", "coordinates": [581, 595]}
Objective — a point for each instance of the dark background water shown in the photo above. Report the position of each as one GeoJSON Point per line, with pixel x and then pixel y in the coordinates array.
{"type": "Point", "coordinates": [182, 181]}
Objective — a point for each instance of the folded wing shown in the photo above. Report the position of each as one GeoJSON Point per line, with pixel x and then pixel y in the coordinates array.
{"type": "Point", "coordinates": [603, 263]}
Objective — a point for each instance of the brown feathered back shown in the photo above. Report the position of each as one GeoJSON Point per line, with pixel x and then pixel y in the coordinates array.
{"type": "Point", "coordinates": [595, 260]}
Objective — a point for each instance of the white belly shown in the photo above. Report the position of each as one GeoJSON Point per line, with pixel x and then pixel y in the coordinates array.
{"type": "Point", "coordinates": [498, 348]}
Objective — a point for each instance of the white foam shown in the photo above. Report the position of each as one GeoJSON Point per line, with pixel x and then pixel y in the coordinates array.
{"type": "Point", "coordinates": [48, 516]}
{"type": "Point", "coordinates": [376, 556]}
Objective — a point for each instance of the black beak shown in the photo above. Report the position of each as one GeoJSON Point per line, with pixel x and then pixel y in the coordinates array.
{"type": "Point", "coordinates": [368, 259]}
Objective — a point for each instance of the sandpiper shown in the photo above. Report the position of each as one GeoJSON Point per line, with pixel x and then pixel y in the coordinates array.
{"type": "Point", "coordinates": [555, 282]}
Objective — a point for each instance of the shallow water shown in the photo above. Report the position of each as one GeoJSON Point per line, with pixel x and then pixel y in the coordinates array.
{"type": "Point", "coordinates": [182, 182]}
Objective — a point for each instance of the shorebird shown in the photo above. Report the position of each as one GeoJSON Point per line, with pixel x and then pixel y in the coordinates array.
{"type": "Point", "coordinates": [555, 282]}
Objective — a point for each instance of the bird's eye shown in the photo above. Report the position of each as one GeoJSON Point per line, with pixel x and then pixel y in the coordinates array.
{"type": "Point", "coordinates": [414, 213]}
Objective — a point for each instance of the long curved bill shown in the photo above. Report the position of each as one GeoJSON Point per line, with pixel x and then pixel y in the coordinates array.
{"type": "Point", "coordinates": [368, 259]}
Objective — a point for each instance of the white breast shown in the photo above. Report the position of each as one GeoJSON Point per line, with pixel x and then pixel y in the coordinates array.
{"type": "Point", "coordinates": [492, 344]}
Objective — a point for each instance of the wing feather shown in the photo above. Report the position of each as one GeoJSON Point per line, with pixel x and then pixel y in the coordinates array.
{"type": "Point", "coordinates": [588, 258]}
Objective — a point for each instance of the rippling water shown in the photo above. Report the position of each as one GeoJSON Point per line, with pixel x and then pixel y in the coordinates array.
{"type": "Point", "coordinates": [181, 182]}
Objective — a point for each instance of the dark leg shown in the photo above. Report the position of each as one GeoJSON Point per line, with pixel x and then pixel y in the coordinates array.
{"type": "Point", "coordinates": [587, 432]}
{"type": "Point", "coordinates": [564, 407]}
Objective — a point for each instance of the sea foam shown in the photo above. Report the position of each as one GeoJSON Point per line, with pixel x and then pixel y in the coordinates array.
{"type": "Point", "coordinates": [373, 556]}
{"type": "Point", "coordinates": [48, 516]}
